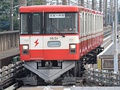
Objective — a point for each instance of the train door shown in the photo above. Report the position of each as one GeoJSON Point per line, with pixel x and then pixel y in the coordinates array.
{"type": "Point", "coordinates": [36, 37]}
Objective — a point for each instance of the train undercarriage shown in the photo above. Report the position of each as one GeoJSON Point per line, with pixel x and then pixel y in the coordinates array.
{"type": "Point", "coordinates": [65, 71]}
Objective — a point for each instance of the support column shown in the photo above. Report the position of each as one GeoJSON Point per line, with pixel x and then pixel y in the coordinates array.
{"type": "Point", "coordinates": [79, 2]}
{"type": "Point", "coordinates": [100, 5]}
{"type": "Point", "coordinates": [82, 2]}
{"type": "Point", "coordinates": [88, 4]}
{"type": "Point", "coordinates": [64, 2]}
{"type": "Point", "coordinates": [106, 16]}
{"type": "Point", "coordinates": [11, 15]}
{"type": "Point", "coordinates": [93, 4]}
{"type": "Point", "coordinates": [115, 38]}
{"type": "Point", "coordinates": [111, 12]}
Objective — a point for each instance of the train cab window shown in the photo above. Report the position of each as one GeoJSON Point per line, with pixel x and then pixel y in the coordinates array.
{"type": "Point", "coordinates": [24, 25]}
{"type": "Point", "coordinates": [61, 23]}
{"type": "Point", "coordinates": [36, 23]}
{"type": "Point", "coordinates": [31, 23]}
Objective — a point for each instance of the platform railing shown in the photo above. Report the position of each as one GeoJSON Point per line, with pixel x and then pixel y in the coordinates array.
{"type": "Point", "coordinates": [103, 77]}
{"type": "Point", "coordinates": [9, 73]}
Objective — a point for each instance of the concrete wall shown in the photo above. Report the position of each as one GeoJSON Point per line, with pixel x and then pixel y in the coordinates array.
{"type": "Point", "coordinates": [9, 40]}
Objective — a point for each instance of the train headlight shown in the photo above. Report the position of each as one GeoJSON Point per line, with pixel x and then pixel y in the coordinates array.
{"type": "Point", "coordinates": [72, 48]}
{"type": "Point", "coordinates": [25, 49]}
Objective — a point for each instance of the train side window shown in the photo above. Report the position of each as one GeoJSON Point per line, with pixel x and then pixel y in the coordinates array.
{"type": "Point", "coordinates": [94, 23]}
{"type": "Point", "coordinates": [91, 23]}
{"type": "Point", "coordinates": [81, 21]}
{"type": "Point", "coordinates": [88, 23]}
{"type": "Point", "coordinates": [86, 20]}
{"type": "Point", "coordinates": [99, 22]}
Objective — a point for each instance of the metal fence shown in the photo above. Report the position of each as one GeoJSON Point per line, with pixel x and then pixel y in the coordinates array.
{"type": "Point", "coordinates": [103, 77]}
{"type": "Point", "coordinates": [10, 72]}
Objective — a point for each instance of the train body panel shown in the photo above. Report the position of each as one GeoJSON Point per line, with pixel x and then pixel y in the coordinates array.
{"type": "Point", "coordinates": [50, 47]}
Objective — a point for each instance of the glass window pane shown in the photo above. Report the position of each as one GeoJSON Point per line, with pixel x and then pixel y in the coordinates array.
{"type": "Point", "coordinates": [36, 23]}
{"type": "Point", "coordinates": [61, 23]}
{"type": "Point", "coordinates": [24, 27]}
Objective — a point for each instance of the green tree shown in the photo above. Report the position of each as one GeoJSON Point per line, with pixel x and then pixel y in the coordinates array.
{"type": "Point", "coordinates": [37, 2]}
{"type": "Point", "coordinates": [5, 14]}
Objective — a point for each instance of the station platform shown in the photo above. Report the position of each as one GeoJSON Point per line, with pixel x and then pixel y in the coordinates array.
{"type": "Point", "coordinates": [7, 56]}
{"type": "Point", "coordinates": [106, 58]}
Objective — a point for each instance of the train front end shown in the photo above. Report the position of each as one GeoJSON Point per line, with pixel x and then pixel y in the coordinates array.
{"type": "Point", "coordinates": [49, 40]}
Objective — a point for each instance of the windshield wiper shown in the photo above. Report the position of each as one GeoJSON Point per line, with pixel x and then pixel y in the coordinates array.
{"type": "Point", "coordinates": [58, 31]}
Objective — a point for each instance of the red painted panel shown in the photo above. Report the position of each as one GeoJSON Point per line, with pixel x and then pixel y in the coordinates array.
{"type": "Point", "coordinates": [62, 54]}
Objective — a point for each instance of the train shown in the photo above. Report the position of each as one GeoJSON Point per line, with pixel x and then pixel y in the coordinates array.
{"type": "Point", "coordinates": [58, 40]}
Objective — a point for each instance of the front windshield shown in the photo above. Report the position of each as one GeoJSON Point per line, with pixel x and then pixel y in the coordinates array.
{"type": "Point", "coordinates": [31, 23]}
{"type": "Point", "coordinates": [61, 23]}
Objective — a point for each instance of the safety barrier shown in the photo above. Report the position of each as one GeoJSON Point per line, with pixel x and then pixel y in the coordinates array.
{"type": "Point", "coordinates": [108, 30]}
{"type": "Point", "coordinates": [102, 77]}
{"type": "Point", "coordinates": [9, 40]}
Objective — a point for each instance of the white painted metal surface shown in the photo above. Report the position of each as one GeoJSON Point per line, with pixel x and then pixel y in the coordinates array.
{"type": "Point", "coordinates": [115, 37]}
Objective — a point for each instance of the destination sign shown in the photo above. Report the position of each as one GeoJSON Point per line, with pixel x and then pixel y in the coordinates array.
{"type": "Point", "coordinates": [59, 15]}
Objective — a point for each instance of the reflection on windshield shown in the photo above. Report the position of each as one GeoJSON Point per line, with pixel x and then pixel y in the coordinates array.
{"type": "Point", "coordinates": [61, 23]}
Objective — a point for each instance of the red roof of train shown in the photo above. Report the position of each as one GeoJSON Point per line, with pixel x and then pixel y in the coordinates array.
{"type": "Point", "coordinates": [55, 8]}
{"type": "Point", "coordinates": [50, 8]}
